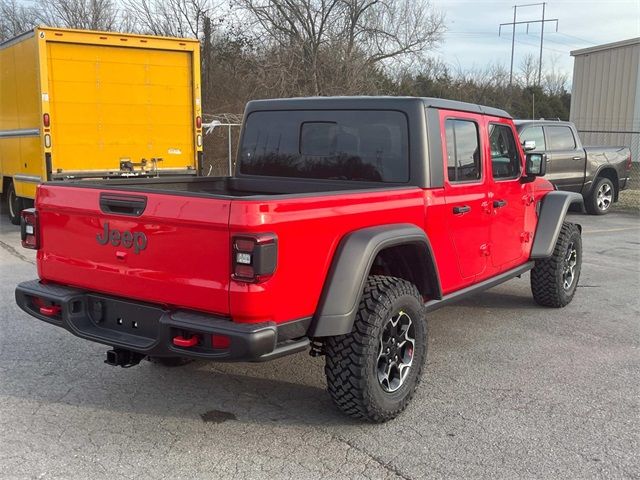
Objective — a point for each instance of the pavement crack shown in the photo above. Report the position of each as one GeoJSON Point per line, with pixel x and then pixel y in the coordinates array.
{"type": "Point", "coordinates": [386, 465]}
{"type": "Point", "coordinates": [15, 253]}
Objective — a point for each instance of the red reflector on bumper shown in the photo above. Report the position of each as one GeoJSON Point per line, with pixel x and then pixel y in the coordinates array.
{"type": "Point", "coordinates": [220, 341]}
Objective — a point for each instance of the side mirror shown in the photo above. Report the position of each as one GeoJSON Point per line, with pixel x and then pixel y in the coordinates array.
{"type": "Point", "coordinates": [529, 145]}
{"type": "Point", "coordinates": [536, 165]}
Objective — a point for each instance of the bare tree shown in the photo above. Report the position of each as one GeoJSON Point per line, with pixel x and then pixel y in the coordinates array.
{"type": "Point", "coordinates": [15, 18]}
{"type": "Point", "coordinates": [171, 18]}
{"type": "Point", "coordinates": [554, 82]}
{"type": "Point", "coordinates": [331, 46]}
{"type": "Point", "coordinates": [83, 14]}
{"type": "Point", "coordinates": [528, 71]}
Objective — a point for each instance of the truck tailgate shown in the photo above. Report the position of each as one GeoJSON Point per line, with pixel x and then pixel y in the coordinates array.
{"type": "Point", "coordinates": [169, 249]}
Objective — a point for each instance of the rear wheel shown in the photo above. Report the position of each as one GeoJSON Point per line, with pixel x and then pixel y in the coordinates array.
{"type": "Point", "coordinates": [554, 280]}
{"type": "Point", "coordinates": [15, 204]}
{"type": "Point", "coordinates": [373, 372]}
{"type": "Point", "coordinates": [601, 197]}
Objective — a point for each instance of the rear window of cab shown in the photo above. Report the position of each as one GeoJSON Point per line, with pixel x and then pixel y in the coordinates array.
{"type": "Point", "coordinates": [356, 145]}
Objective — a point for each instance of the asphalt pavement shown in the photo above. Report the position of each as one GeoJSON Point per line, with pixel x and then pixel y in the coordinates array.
{"type": "Point", "coordinates": [510, 390]}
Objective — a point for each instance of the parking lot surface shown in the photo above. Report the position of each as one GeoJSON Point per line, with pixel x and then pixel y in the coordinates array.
{"type": "Point", "coordinates": [510, 390]}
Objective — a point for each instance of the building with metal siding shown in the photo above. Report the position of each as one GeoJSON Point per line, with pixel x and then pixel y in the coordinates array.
{"type": "Point", "coordinates": [605, 95]}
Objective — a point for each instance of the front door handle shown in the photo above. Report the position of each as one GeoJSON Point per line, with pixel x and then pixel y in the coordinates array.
{"type": "Point", "coordinates": [499, 203]}
{"type": "Point", "coordinates": [461, 209]}
{"type": "Point", "coordinates": [577, 158]}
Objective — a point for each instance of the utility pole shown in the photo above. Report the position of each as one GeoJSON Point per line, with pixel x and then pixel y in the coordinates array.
{"type": "Point", "coordinates": [527, 23]}
{"type": "Point", "coordinates": [541, 43]}
{"type": "Point", "coordinates": [513, 43]}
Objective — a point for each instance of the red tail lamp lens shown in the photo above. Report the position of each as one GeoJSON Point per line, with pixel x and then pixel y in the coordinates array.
{"type": "Point", "coordinates": [46, 120]}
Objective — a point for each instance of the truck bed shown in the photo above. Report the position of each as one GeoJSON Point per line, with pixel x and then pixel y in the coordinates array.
{"type": "Point", "coordinates": [169, 241]}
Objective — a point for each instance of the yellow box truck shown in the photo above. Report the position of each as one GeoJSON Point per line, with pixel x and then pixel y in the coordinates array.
{"type": "Point", "coordinates": [81, 104]}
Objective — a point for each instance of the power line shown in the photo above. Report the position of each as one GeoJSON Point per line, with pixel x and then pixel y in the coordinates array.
{"type": "Point", "coordinates": [577, 38]}
{"type": "Point", "coordinates": [536, 45]}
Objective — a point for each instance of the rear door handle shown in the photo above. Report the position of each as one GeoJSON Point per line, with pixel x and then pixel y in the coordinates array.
{"type": "Point", "coordinates": [577, 158]}
{"type": "Point", "coordinates": [499, 203]}
{"type": "Point", "coordinates": [461, 209]}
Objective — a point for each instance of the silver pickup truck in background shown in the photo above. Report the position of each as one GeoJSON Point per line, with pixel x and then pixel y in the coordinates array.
{"type": "Point", "coordinates": [598, 173]}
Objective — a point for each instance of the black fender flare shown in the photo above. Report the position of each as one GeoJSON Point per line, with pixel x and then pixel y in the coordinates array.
{"type": "Point", "coordinates": [553, 211]}
{"type": "Point", "coordinates": [350, 268]}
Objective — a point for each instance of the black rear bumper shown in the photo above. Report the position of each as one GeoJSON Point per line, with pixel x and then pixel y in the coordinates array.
{"type": "Point", "coordinates": [150, 329]}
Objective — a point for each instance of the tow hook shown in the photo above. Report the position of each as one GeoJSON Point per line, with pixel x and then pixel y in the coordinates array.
{"type": "Point", "coordinates": [119, 357]}
{"type": "Point", "coordinates": [51, 311]}
{"type": "Point", "coordinates": [183, 342]}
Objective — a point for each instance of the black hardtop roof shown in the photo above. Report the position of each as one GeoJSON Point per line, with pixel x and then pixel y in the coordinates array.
{"type": "Point", "coordinates": [366, 102]}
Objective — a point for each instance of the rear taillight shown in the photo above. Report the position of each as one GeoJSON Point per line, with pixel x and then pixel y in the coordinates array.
{"type": "Point", "coordinates": [198, 121]}
{"type": "Point", "coordinates": [29, 229]}
{"type": "Point", "coordinates": [46, 120]}
{"type": "Point", "coordinates": [628, 164]}
{"type": "Point", "coordinates": [254, 257]}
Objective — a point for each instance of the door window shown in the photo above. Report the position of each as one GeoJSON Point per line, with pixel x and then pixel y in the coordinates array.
{"type": "Point", "coordinates": [560, 138]}
{"type": "Point", "coordinates": [463, 151]}
{"type": "Point", "coordinates": [535, 134]}
{"type": "Point", "coordinates": [505, 161]}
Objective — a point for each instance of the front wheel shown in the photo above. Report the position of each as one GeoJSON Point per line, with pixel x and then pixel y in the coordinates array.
{"type": "Point", "coordinates": [15, 204]}
{"type": "Point", "coordinates": [373, 372]}
{"type": "Point", "coordinates": [554, 280]}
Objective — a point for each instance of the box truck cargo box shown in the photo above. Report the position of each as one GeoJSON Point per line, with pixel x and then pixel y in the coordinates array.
{"type": "Point", "coordinates": [82, 104]}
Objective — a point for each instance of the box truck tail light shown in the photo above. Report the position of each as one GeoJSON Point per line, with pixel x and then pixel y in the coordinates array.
{"type": "Point", "coordinates": [46, 120]}
{"type": "Point", "coordinates": [255, 257]}
{"type": "Point", "coordinates": [628, 164]}
{"type": "Point", "coordinates": [198, 121]}
{"type": "Point", "coordinates": [29, 229]}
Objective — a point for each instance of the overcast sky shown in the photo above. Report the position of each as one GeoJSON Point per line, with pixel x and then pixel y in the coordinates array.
{"type": "Point", "coordinates": [472, 37]}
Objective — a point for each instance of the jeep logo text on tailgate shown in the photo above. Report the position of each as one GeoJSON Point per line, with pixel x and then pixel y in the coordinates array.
{"type": "Point", "coordinates": [137, 240]}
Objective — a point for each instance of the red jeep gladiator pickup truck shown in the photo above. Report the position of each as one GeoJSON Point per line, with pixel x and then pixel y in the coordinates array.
{"type": "Point", "coordinates": [347, 220]}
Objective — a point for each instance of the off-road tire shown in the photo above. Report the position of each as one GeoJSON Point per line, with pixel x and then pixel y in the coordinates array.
{"type": "Point", "coordinates": [170, 361]}
{"type": "Point", "coordinates": [14, 204]}
{"type": "Point", "coordinates": [352, 359]}
{"type": "Point", "coordinates": [592, 202]}
{"type": "Point", "coordinates": [548, 275]}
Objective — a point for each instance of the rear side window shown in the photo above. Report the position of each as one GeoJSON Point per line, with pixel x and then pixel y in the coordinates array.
{"type": "Point", "coordinates": [463, 151]}
{"type": "Point", "coordinates": [333, 145]}
{"type": "Point", "coordinates": [535, 134]}
{"type": "Point", "coordinates": [505, 161]}
{"type": "Point", "coordinates": [560, 138]}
